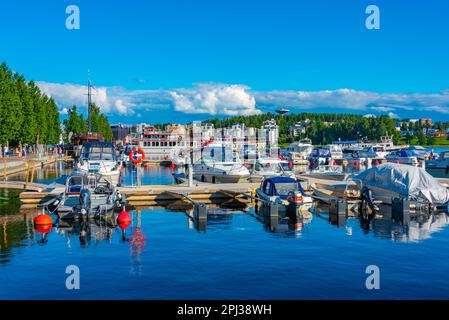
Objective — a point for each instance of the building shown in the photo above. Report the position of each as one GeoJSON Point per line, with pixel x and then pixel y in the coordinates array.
{"type": "Point", "coordinates": [425, 122]}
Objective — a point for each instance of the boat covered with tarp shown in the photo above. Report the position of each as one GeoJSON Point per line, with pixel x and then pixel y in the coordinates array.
{"type": "Point", "coordinates": [391, 180]}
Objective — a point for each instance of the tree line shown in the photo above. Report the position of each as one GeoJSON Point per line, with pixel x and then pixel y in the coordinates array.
{"type": "Point", "coordinates": [76, 123]}
{"type": "Point", "coordinates": [321, 128]}
{"type": "Point", "coordinates": [26, 114]}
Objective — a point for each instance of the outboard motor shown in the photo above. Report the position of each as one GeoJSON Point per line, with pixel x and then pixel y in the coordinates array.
{"type": "Point", "coordinates": [367, 202]}
{"type": "Point", "coordinates": [85, 203]}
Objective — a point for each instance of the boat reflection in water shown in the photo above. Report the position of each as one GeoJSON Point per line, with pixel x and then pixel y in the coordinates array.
{"type": "Point", "coordinates": [289, 226]}
{"type": "Point", "coordinates": [88, 231]}
{"type": "Point", "coordinates": [416, 228]}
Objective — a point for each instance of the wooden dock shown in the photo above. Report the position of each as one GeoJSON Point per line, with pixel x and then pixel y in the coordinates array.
{"type": "Point", "coordinates": [159, 193]}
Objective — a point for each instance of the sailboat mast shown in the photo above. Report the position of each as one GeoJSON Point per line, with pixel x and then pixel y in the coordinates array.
{"type": "Point", "coordinates": [89, 102]}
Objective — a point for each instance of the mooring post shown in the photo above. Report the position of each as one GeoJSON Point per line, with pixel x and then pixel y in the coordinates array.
{"type": "Point", "coordinates": [337, 211]}
{"type": "Point", "coordinates": [4, 168]}
{"type": "Point", "coordinates": [200, 211]}
{"type": "Point", "coordinates": [400, 210]}
{"type": "Point", "coordinates": [190, 174]}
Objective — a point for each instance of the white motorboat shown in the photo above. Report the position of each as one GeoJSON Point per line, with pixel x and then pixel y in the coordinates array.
{"type": "Point", "coordinates": [326, 154]}
{"type": "Point", "coordinates": [98, 158]}
{"type": "Point", "coordinates": [419, 152]}
{"type": "Point", "coordinates": [299, 152]}
{"type": "Point", "coordinates": [439, 167]}
{"type": "Point", "coordinates": [271, 167]}
{"type": "Point", "coordinates": [219, 164]}
{"type": "Point", "coordinates": [390, 180]}
{"type": "Point", "coordinates": [402, 157]}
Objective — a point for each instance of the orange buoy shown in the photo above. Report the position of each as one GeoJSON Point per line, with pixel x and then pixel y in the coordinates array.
{"type": "Point", "coordinates": [43, 219]}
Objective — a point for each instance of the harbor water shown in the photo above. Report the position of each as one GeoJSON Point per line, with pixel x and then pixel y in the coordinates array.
{"type": "Point", "coordinates": [236, 255]}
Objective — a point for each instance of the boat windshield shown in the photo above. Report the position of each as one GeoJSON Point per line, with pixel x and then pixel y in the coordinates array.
{"type": "Point", "coordinates": [283, 189]}
{"type": "Point", "coordinates": [98, 153]}
{"type": "Point", "coordinates": [219, 154]}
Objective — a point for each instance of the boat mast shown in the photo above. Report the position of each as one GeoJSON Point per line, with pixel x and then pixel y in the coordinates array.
{"type": "Point", "coordinates": [89, 101]}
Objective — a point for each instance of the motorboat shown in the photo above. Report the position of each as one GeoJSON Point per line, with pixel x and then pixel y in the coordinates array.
{"type": "Point", "coordinates": [439, 166]}
{"type": "Point", "coordinates": [373, 152]}
{"type": "Point", "coordinates": [326, 154]}
{"type": "Point", "coordinates": [219, 164]}
{"type": "Point", "coordinates": [98, 158]}
{"type": "Point", "coordinates": [402, 157]}
{"type": "Point", "coordinates": [419, 152]}
{"type": "Point", "coordinates": [385, 183]}
{"type": "Point", "coordinates": [389, 181]}
{"type": "Point", "coordinates": [283, 191]}
{"type": "Point", "coordinates": [271, 167]}
{"type": "Point", "coordinates": [179, 159]}
{"type": "Point", "coordinates": [85, 197]}
{"type": "Point", "coordinates": [299, 152]}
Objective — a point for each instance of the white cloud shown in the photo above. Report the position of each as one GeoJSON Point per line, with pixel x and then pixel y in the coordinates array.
{"type": "Point", "coordinates": [215, 99]}
{"type": "Point", "coordinates": [234, 99]}
{"type": "Point", "coordinates": [107, 98]}
{"type": "Point", "coordinates": [64, 111]}
{"type": "Point", "coordinates": [393, 115]}
{"type": "Point", "coordinates": [352, 100]}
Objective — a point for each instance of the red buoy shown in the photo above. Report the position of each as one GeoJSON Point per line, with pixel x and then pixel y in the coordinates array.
{"type": "Point", "coordinates": [43, 219]}
{"type": "Point", "coordinates": [356, 163]}
{"type": "Point", "coordinates": [377, 163]}
{"type": "Point", "coordinates": [43, 228]}
{"type": "Point", "coordinates": [334, 163]}
{"type": "Point", "coordinates": [172, 166]}
{"type": "Point", "coordinates": [124, 220]}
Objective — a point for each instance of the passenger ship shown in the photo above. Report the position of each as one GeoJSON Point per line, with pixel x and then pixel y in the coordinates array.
{"type": "Point", "coordinates": [163, 145]}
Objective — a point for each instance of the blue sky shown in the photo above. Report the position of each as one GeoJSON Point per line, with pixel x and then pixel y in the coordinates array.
{"type": "Point", "coordinates": [159, 61]}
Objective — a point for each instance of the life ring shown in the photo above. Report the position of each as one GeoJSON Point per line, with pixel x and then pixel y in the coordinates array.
{"type": "Point", "coordinates": [137, 155]}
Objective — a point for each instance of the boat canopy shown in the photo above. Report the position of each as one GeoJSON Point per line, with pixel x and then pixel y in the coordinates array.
{"type": "Point", "coordinates": [410, 182]}
{"type": "Point", "coordinates": [280, 186]}
{"type": "Point", "coordinates": [98, 151]}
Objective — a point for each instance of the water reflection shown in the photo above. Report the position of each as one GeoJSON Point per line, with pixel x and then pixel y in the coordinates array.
{"type": "Point", "coordinates": [290, 226]}
{"type": "Point", "coordinates": [88, 232]}
{"type": "Point", "coordinates": [416, 229]}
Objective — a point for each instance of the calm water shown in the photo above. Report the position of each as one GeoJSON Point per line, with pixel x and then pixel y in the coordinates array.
{"type": "Point", "coordinates": [163, 255]}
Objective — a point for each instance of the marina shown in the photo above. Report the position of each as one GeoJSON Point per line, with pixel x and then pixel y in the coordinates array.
{"type": "Point", "coordinates": [166, 236]}
{"type": "Point", "coordinates": [229, 157]}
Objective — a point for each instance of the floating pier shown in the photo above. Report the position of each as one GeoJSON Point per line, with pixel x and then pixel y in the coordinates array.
{"type": "Point", "coordinates": [157, 193]}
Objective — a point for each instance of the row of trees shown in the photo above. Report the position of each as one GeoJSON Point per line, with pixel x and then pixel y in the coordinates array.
{"type": "Point", "coordinates": [25, 112]}
{"type": "Point", "coordinates": [321, 128]}
{"type": "Point", "coordinates": [76, 123]}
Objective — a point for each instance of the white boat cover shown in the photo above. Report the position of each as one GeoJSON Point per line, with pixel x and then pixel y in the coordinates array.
{"type": "Point", "coordinates": [411, 182]}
